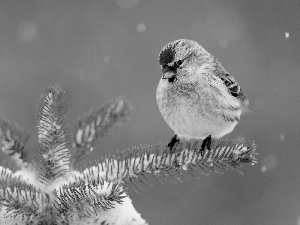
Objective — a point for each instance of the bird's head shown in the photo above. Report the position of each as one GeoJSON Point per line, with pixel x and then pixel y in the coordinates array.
{"type": "Point", "coordinates": [175, 55]}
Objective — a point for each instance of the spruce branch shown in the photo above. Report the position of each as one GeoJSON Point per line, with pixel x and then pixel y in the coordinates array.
{"type": "Point", "coordinates": [53, 135]}
{"type": "Point", "coordinates": [160, 162]}
{"type": "Point", "coordinates": [20, 198]}
{"type": "Point", "coordinates": [44, 191]}
{"type": "Point", "coordinates": [81, 199]}
{"type": "Point", "coordinates": [86, 199]}
{"type": "Point", "coordinates": [25, 174]}
{"type": "Point", "coordinates": [96, 123]}
{"type": "Point", "coordinates": [13, 139]}
{"type": "Point", "coordinates": [50, 191]}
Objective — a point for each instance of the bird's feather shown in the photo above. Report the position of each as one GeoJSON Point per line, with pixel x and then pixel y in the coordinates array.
{"type": "Point", "coordinates": [233, 87]}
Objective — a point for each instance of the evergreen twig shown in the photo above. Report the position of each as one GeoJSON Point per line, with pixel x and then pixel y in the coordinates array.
{"type": "Point", "coordinates": [50, 191]}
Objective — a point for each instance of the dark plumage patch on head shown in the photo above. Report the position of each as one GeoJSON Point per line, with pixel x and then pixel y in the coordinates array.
{"type": "Point", "coordinates": [166, 56]}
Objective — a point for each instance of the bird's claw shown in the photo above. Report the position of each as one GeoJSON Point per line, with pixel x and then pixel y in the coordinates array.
{"type": "Point", "coordinates": [206, 143]}
{"type": "Point", "coordinates": [173, 142]}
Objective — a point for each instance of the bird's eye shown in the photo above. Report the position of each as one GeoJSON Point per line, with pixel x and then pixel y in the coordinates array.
{"type": "Point", "coordinates": [167, 68]}
{"type": "Point", "coordinates": [178, 63]}
{"type": "Point", "coordinates": [172, 68]}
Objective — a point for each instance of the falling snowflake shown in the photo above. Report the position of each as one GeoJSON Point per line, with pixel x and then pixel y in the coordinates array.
{"type": "Point", "coordinates": [269, 163]}
{"type": "Point", "coordinates": [287, 34]}
{"type": "Point", "coordinates": [141, 28]}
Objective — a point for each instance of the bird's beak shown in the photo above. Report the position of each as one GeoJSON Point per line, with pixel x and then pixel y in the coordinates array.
{"type": "Point", "coordinates": [168, 75]}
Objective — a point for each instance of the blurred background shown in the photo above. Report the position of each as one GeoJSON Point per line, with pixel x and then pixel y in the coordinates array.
{"type": "Point", "coordinates": [96, 50]}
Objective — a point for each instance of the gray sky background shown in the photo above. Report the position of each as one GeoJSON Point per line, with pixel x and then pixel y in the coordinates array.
{"type": "Point", "coordinates": [97, 50]}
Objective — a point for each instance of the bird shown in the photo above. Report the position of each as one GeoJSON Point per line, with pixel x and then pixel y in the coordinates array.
{"type": "Point", "coordinates": [196, 96]}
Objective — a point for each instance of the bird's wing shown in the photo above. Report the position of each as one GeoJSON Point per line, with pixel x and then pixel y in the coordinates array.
{"type": "Point", "coordinates": [233, 87]}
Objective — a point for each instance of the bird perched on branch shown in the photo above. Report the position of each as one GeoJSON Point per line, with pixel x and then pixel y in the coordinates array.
{"type": "Point", "coordinates": [196, 96]}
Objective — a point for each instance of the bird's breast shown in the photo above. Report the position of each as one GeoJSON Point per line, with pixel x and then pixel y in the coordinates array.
{"type": "Point", "coordinates": [196, 108]}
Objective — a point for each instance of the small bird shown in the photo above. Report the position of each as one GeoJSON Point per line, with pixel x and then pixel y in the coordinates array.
{"type": "Point", "coordinates": [196, 96]}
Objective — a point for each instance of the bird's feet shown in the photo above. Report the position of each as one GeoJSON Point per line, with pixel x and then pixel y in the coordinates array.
{"type": "Point", "coordinates": [206, 143]}
{"type": "Point", "coordinates": [172, 143]}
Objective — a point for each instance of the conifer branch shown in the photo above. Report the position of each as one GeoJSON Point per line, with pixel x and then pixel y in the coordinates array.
{"type": "Point", "coordinates": [81, 198]}
{"type": "Point", "coordinates": [159, 162]}
{"type": "Point", "coordinates": [7, 175]}
{"type": "Point", "coordinates": [13, 139]}
{"type": "Point", "coordinates": [96, 123]}
{"type": "Point", "coordinates": [87, 199]}
{"type": "Point", "coordinates": [19, 176]}
{"type": "Point", "coordinates": [50, 191]}
{"type": "Point", "coordinates": [20, 198]}
{"type": "Point", "coordinates": [53, 135]}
